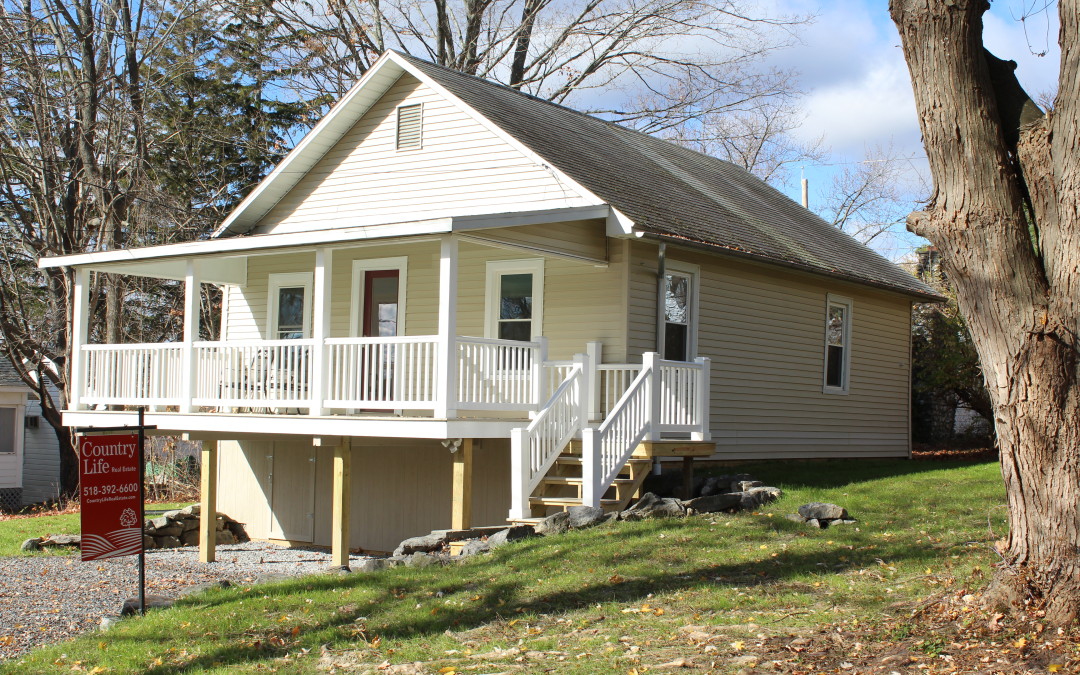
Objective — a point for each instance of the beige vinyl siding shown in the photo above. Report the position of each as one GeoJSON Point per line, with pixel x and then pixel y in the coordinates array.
{"type": "Point", "coordinates": [764, 330]}
{"type": "Point", "coordinates": [400, 488]}
{"type": "Point", "coordinates": [578, 296]}
{"type": "Point", "coordinates": [463, 168]}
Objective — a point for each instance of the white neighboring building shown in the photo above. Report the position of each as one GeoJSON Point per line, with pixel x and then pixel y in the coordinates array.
{"type": "Point", "coordinates": [29, 454]}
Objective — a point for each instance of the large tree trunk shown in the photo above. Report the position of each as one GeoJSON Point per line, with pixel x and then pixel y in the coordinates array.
{"type": "Point", "coordinates": [1006, 216]}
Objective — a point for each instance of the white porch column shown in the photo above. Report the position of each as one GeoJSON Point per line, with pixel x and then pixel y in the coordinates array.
{"type": "Point", "coordinates": [650, 362]}
{"type": "Point", "coordinates": [77, 372]}
{"type": "Point", "coordinates": [320, 329]}
{"type": "Point", "coordinates": [584, 392]}
{"type": "Point", "coordinates": [191, 334]}
{"type": "Point", "coordinates": [446, 405]}
{"type": "Point", "coordinates": [704, 400]}
{"type": "Point", "coordinates": [595, 350]}
{"type": "Point", "coordinates": [591, 490]}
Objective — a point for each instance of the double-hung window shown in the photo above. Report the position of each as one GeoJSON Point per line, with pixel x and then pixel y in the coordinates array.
{"type": "Point", "coordinates": [680, 313]}
{"type": "Point", "coordinates": [837, 344]}
{"type": "Point", "coordinates": [515, 299]}
{"type": "Point", "coordinates": [9, 435]}
{"type": "Point", "coordinates": [289, 308]}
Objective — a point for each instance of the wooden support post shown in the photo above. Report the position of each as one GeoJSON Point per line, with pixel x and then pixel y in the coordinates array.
{"type": "Point", "coordinates": [461, 518]}
{"type": "Point", "coordinates": [208, 503]}
{"type": "Point", "coordinates": [342, 499]}
{"type": "Point", "coordinates": [688, 477]}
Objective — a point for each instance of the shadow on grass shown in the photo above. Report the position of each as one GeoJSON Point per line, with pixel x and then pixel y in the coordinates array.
{"type": "Point", "coordinates": [834, 473]}
{"type": "Point", "coordinates": [506, 592]}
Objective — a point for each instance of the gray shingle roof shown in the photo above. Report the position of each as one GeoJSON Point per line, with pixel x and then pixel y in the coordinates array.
{"type": "Point", "coordinates": [8, 376]}
{"type": "Point", "coordinates": [674, 192]}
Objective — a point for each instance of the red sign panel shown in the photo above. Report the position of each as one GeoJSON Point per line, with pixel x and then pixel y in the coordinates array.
{"type": "Point", "coordinates": [112, 513]}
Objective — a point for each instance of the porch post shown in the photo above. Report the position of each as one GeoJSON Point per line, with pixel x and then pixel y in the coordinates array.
{"type": "Point", "coordinates": [595, 350]}
{"type": "Point", "coordinates": [591, 490]}
{"type": "Point", "coordinates": [461, 515]}
{"type": "Point", "coordinates": [191, 334]}
{"type": "Point", "coordinates": [650, 362]}
{"type": "Point", "coordinates": [446, 403]}
{"type": "Point", "coordinates": [320, 329]}
{"type": "Point", "coordinates": [208, 503]}
{"type": "Point", "coordinates": [342, 499]}
{"type": "Point", "coordinates": [585, 388]}
{"type": "Point", "coordinates": [704, 396]}
{"type": "Point", "coordinates": [77, 374]}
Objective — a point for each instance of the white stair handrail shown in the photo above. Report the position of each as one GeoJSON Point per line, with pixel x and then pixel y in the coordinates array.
{"type": "Point", "coordinates": [536, 447]}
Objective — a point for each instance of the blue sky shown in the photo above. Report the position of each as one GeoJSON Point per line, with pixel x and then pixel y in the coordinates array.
{"type": "Point", "coordinates": [858, 93]}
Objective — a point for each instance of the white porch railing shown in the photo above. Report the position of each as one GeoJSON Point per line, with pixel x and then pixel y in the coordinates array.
{"type": "Point", "coordinates": [665, 397]}
{"type": "Point", "coordinates": [536, 447]}
{"type": "Point", "coordinates": [132, 374]}
{"type": "Point", "coordinates": [241, 374]}
{"type": "Point", "coordinates": [499, 374]}
{"type": "Point", "coordinates": [396, 372]}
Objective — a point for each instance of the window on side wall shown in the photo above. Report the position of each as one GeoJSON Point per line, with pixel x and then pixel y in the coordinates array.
{"type": "Point", "coordinates": [680, 312]}
{"type": "Point", "coordinates": [515, 299]}
{"type": "Point", "coordinates": [289, 307]}
{"type": "Point", "coordinates": [7, 431]}
{"type": "Point", "coordinates": [837, 344]}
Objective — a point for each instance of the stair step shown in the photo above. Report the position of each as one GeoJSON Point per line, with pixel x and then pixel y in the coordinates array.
{"type": "Point", "coordinates": [576, 459]}
{"type": "Point", "coordinates": [576, 480]}
{"type": "Point", "coordinates": [567, 501]}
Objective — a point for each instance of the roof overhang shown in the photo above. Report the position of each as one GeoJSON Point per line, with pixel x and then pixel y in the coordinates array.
{"type": "Point", "coordinates": [765, 260]}
{"type": "Point", "coordinates": [216, 256]}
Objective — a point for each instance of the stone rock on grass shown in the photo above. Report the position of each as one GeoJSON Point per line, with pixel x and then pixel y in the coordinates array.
{"type": "Point", "coordinates": [582, 517]}
{"type": "Point", "coordinates": [510, 534]}
{"type": "Point", "coordinates": [475, 547]}
{"type": "Point", "coordinates": [556, 523]}
{"type": "Point", "coordinates": [424, 544]}
{"type": "Point", "coordinates": [745, 485]}
{"type": "Point", "coordinates": [755, 497]}
{"type": "Point", "coordinates": [652, 506]}
{"type": "Point", "coordinates": [712, 503]}
{"type": "Point", "coordinates": [372, 565]}
{"type": "Point", "coordinates": [72, 540]}
{"type": "Point", "coordinates": [31, 544]}
{"type": "Point", "coordinates": [420, 559]}
{"type": "Point", "coordinates": [224, 537]}
{"type": "Point", "coordinates": [190, 538]}
{"type": "Point", "coordinates": [823, 511]}
{"type": "Point", "coordinates": [131, 605]}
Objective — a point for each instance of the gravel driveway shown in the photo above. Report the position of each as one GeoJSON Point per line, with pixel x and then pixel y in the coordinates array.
{"type": "Point", "coordinates": [46, 599]}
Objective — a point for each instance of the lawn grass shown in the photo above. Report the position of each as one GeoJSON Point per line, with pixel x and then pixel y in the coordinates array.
{"type": "Point", "coordinates": [617, 598]}
{"type": "Point", "coordinates": [15, 531]}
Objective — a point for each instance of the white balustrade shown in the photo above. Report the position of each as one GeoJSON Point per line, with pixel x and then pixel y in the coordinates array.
{"type": "Point", "coordinates": [395, 372]}
{"type": "Point", "coordinates": [138, 374]}
{"type": "Point", "coordinates": [536, 447]}
{"type": "Point", "coordinates": [242, 373]}
{"type": "Point", "coordinates": [613, 380]}
{"type": "Point", "coordinates": [498, 374]}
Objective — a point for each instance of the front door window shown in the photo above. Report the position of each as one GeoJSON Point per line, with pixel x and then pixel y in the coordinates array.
{"type": "Point", "coordinates": [381, 303]}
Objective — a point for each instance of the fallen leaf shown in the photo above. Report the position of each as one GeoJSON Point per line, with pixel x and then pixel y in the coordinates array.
{"type": "Point", "coordinates": [738, 645]}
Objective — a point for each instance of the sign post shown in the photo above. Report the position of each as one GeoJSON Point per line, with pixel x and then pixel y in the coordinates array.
{"type": "Point", "coordinates": [111, 477]}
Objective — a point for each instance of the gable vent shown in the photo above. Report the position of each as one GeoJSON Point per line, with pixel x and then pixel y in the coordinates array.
{"type": "Point", "coordinates": [409, 127]}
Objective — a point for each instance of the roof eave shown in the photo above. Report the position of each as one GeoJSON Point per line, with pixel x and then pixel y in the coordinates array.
{"type": "Point", "coordinates": [757, 257]}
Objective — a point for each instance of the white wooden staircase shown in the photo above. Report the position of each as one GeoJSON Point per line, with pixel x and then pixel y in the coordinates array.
{"type": "Point", "coordinates": [562, 459]}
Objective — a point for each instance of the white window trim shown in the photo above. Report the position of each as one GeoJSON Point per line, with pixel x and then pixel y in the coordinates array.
{"type": "Point", "coordinates": [359, 267]}
{"type": "Point", "coordinates": [397, 127]}
{"type": "Point", "coordinates": [18, 442]}
{"type": "Point", "coordinates": [694, 272]}
{"type": "Point", "coordinates": [281, 280]}
{"type": "Point", "coordinates": [847, 304]}
{"type": "Point", "coordinates": [495, 270]}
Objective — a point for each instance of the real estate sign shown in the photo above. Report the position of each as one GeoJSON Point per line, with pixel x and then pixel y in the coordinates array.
{"type": "Point", "coordinates": [111, 504]}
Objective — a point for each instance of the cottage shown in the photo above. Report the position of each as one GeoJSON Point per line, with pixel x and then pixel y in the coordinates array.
{"type": "Point", "coordinates": [454, 303]}
{"type": "Point", "coordinates": [29, 449]}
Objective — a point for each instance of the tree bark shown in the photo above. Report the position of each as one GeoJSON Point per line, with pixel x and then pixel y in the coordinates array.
{"type": "Point", "coordinates": [1005, 216]}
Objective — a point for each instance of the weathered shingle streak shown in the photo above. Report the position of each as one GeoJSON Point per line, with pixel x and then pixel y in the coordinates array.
{"type": "Point", "coordinates": [670, 190]}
